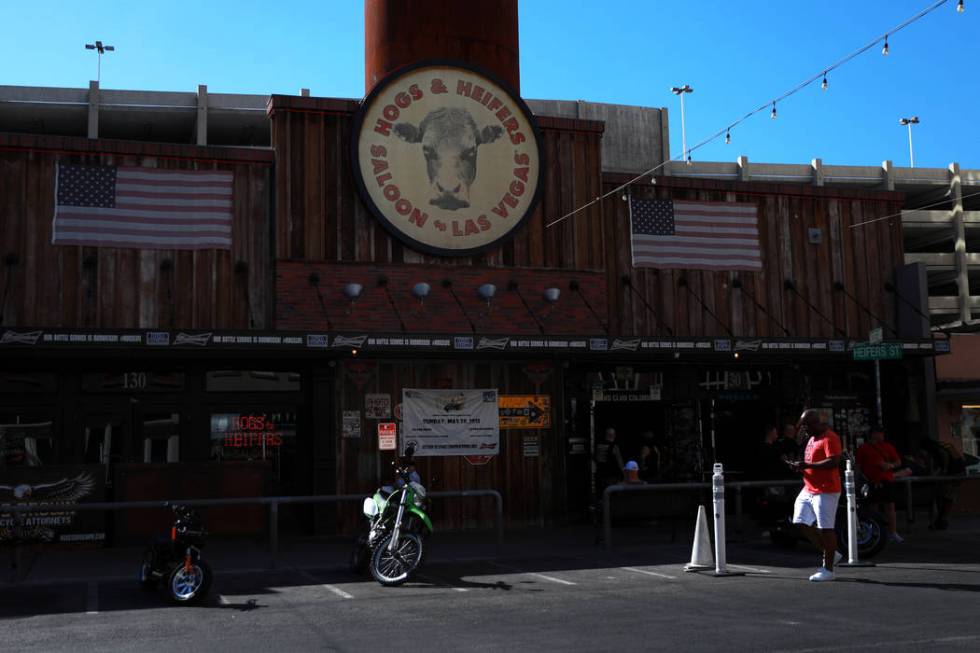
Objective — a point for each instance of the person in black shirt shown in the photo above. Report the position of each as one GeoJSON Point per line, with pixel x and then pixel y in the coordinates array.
{"type": "Point", "coordinates": [769, 465]}
{"type": "Point", "coordinates": [788, 447]}
{"type": "Point", "coordinates": [609, 462]}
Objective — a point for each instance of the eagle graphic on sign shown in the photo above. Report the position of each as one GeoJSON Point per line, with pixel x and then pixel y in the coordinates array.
{"type": "Point", "coordinates": [67, 490]}
{"type": "Point", "coordinates": [64, 491]}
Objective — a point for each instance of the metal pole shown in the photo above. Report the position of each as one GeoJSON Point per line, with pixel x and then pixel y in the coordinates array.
{"type": "Point", "coordinates": [683, 129]}
{"type": "Point", "coordinates": [878, 391]}
{"type": "Point", "coordinates": [607, 518]}
{"type": "Point", "coordinates": [592, 465]}
{"type": "Point", "coordinates": [852, 519]}
{"type": "Point", "coordinates": [909, 514]}
{"type": "Point", "coordinates": [274, 532]}
{"type": "Point", "coordinates": [718, 496]}
{"type": "Point", "coordinates": [911, 159]}
{"type": "Point", "coordinates": [739, 523]}
{"type": "Point", "coordinates": [499, 516]}
{"type": "Point", "coordinates": [852, 550]}
{"type": "Point", "coordinates": [714, 451]}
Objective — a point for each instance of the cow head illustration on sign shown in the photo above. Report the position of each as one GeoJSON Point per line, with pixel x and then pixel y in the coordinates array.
{"type": "Point", "coordinates": [447, 158]}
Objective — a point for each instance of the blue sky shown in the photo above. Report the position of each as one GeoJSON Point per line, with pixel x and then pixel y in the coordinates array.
{"type": "Point", "coordinates": [736, 55]}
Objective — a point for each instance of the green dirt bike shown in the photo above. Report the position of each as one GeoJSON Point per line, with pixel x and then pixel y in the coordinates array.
{"type": "Point", "coordinates": [392, 545]}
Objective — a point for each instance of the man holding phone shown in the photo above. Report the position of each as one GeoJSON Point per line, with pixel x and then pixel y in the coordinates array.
{"type": "Point", "coordinates": [816, 505]}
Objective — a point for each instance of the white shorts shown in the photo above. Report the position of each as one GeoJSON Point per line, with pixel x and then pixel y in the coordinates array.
{"type": "Point", "coordinates": [819, 508]}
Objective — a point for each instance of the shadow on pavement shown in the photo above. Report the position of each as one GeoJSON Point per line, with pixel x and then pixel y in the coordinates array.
{"type": "Point", "coordinates": [952, 587]}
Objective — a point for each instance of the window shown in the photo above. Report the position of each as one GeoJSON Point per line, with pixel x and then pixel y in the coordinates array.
{"type": "Point", "coordinates": [252, 381]}
{"type": "Point", "coordinates": [970, 429]}
{"type": "Point", "coordinates": [254, 436]}
{"type": "Point", "coordinates": [101, 445]}
{"type": "Point", "coordinates": [26, 440]}
{"type": "Point", "coordinates": [161, 438]}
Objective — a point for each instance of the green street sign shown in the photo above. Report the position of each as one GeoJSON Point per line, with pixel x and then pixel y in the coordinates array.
{"type": "Point", "coordinates": [882, 351]}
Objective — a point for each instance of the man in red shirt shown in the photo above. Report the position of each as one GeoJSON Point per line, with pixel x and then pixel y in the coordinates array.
{"type": "Point", "coordinates": [816, 505]}
{"type": "Point", "coordinates": [880, 464]}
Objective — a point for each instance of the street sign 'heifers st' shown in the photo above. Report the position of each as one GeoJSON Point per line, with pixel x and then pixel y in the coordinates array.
{"type": "Point", "coordinates": [447, 158]}
{"type": "Point", "coordinates": [883, 351]}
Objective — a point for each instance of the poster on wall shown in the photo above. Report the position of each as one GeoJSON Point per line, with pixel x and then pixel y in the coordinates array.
{"type": "Point", "coordinates": [55, 486]}
{"type": "Point", "coordinates": [532, 446]}
{"type": "Point", "coordinates": [352, 424]}
{"type": "Point", "coordinates": [451, 422]}
{"type": "Point", "coordinates": [377, 406]}
{"type": "Point", "coordinates": [525, 411]}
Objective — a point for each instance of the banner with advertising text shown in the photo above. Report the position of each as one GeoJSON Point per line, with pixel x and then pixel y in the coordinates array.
{"type": "Point", "coordinates": [450, 422]}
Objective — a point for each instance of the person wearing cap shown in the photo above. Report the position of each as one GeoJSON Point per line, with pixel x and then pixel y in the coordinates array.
{"type": "Point", "coordinates": [880, 464]}
{"type": "Point", "coordinates": [816, 505]}
{"type": "Point", "coordinates": [632, 473]}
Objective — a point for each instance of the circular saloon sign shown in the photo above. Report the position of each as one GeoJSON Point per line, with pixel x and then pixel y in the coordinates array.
{"type": "Point", "coordinates": [447, 158]}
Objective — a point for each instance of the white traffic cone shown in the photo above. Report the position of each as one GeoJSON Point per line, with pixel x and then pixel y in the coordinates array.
{"type": "Point", "coordinates": [701, 556]}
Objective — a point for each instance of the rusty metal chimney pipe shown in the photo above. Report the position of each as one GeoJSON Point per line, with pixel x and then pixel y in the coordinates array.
{"type": "Point", "coordinates": [478, 32]}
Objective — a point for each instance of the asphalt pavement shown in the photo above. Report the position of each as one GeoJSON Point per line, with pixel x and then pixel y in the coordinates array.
{"type": "Point", "coordinates": [547, 589]}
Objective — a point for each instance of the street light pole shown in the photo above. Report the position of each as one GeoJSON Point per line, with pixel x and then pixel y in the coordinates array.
{"type": "Point", "coordinates": [681, 90]}
{"type": "Point", "coordinates": [914, 120]}
{"type": "Point", "coordinates": [102, 49]}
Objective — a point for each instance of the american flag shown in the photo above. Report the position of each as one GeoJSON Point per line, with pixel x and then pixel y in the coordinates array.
{"type": "Point", "coordinates": [145, 208]}
{"type": "Point", "coordinates": [694, 235]}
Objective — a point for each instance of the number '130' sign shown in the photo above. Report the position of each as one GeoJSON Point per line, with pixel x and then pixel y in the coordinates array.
{"type": "Point", "coordinates": [134, 380]}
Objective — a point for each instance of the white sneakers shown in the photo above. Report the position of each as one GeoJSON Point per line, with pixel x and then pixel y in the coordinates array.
{"type": "Point", "coordinates": [822, 575]}
{"type": "Point", "coordinates": [896, 538]}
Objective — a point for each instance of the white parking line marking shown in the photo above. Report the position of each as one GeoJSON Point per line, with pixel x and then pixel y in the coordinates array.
{"type": "Point", "coordinates": [758, 571]}
{"type": "Point", "coordinates": [649, 573]}
{"type": "Point", "coordinates": [336, 590]}
{"type": "Point", "coordinates": [441, 583]}
{"type": "Point", "coordinates": [532, 573]}
{"type": "Point", "coordinates": [92, 600]}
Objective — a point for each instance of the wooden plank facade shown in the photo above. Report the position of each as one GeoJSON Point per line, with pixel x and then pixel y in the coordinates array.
{"type": "Point", "coordinates": [301, 232]}
{"type": "Point", "coordinates": [72, 286]}
{"type": "Point", "coordinates": [858, 251]}
{"type": "Point", "coordinates": [323, 228]}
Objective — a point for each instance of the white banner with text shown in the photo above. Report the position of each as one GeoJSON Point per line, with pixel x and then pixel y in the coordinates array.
{"type": "Point", "coordinates": [450, 422]}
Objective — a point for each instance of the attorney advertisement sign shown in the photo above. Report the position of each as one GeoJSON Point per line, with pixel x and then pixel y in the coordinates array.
{"type": "Point", "coordinates": [451, 422]}
{"type": "Point", "coordinates": [57, 487]}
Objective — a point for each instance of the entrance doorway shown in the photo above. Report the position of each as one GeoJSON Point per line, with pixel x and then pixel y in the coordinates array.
{"type": "Point", "coordinates": [733, 434]}
{"type": "Point", "coordinates": [637, 424]}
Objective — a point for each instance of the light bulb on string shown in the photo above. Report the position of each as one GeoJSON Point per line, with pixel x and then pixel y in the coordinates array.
{"type": "Point", "coordinates": [772, 114]}
{"type": "Point", "coordinates": [884, 48]}
{"type": "Point", "coordinates": [689, 160]}
{"type": "Point", "coordinates": [959, 7]}
{"type": "Point", "coordinates": [728, 137]}
{"type": "Point", "coordinates": [823, 84]}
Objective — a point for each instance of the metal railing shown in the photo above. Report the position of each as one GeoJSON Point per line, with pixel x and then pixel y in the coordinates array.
{"type": "Point", "coordinates": [272, 502]}
{"type": "Point", "coordinates": [739, 485]}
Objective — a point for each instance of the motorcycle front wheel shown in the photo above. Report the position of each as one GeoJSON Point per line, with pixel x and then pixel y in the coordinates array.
{"type": "Point", "coordinates": [870, 536]}
{"type": "Point", "coordinates": [392, 568]}
{"type": "Point", "coordinates": [189, 585]}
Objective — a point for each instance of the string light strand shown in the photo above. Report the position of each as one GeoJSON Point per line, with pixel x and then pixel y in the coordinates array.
{"type": "Point", "coordinates": [768, 104]}
{"type": "Point", "coordinates": [919, 208]}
